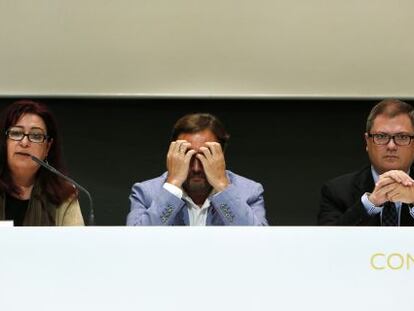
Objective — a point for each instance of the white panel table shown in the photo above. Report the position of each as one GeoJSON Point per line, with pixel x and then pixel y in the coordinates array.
{"type": "Point", "coordinates": [196, 268]}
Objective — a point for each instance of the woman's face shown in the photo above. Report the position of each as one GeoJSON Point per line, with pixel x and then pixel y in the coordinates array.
{"type": "Point", "coordinates": [18, 161]}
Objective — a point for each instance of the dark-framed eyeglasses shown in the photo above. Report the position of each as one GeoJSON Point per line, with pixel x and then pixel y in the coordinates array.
{"type": "Point", "coordinates": [384, 139]}
{"type": "Point", "coordinates": [18, 135]}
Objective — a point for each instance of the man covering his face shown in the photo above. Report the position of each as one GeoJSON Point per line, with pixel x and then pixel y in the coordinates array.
{"type": "Point", "coordinates": [197, 189]}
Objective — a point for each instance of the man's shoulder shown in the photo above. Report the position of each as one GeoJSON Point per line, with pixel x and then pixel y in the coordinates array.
{"type": "Point", "coordinates": [156, 182]}
{"type": "Point", "coordinates": [349, 179]}
{"type": "Point", "coordinates": [241, 181]}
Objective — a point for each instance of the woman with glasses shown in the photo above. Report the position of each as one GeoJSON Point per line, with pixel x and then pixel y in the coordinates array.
{"type": "Point", "coordinates": [29, 194]}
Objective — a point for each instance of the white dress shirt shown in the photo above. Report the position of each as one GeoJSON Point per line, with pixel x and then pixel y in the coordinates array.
{"type": "Point", "coordinates": [197, 215]}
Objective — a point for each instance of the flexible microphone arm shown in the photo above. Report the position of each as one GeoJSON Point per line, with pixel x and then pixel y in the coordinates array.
{"type": "Point", "coordinates": [91, 220]}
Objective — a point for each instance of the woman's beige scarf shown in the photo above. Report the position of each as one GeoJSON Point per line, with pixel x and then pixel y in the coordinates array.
{"type": "Point", "coordinates": [40, 212]}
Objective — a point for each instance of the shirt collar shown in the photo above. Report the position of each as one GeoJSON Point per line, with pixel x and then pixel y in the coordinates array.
{"type": "Point", "coordinates": [206, 203]}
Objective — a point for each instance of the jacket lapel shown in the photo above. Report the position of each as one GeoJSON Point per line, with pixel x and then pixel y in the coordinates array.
{"type": "Point", "coordinates": [364, 181]}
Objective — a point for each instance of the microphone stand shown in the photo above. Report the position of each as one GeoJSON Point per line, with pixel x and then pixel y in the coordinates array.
{"type": "Point", "coordinates": [91, 219]}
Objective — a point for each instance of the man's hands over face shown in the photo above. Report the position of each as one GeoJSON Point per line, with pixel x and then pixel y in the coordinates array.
{"type": "Point", "coordinates": [178, 162]}
{"type": "Point", "coordinates": [211, 157]}
{"type": "Point", "coordinates": [393, 186]}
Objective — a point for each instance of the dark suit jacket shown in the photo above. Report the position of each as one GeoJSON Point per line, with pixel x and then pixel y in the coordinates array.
{"type": "Point", "coordinates": [341, 205]}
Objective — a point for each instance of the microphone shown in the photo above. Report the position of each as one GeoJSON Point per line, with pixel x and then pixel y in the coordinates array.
{"type": "Point", "coordinates": [91, 220]}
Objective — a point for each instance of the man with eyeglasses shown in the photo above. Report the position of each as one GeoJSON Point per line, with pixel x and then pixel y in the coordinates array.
{"type": "Point", "coordinates": [381, 194]}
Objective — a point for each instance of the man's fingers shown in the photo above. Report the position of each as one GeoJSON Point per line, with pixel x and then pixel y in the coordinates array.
{"type": "Point", "coordinates": [384, 182]}
{"type": "Point", "coordinates": [393, 194]}
{"type": "Point", "coordinates": [386, 189]}
{"type": "Point", "coordinates": [178, 145]}
{"type": "Point", "coordinates": [206, 152]}
{"type": "Point", "coordinates": [202, 159]}
{"type": "Point", "coordinates": [399, 176]}
{"type": "Point", "coordinates": [215, 148]}
{"type": "Point", "coordinates": [184, 147]}
{"type": "Point", "coordinates": [189, 155]}
{"type": "Point", "coordinates": [393, 175]}
{"type": "Point", "coordinates": [172, 147]}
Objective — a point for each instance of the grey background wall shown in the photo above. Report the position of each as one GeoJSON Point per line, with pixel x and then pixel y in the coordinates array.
{"type": "Point", "coordinates": [278, 48]}
{"type": "Point", "coordinates": [290, 146]}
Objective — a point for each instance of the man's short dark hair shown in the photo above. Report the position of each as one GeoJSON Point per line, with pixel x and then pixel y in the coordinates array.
{"type": "Point", "coordinates": [197, 122]}
{"type": "Point", "coordinates": [391, 108]}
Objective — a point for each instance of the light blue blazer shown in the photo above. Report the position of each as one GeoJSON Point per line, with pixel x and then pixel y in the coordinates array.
{"type": "Point", "coordinates": [240, 204]}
